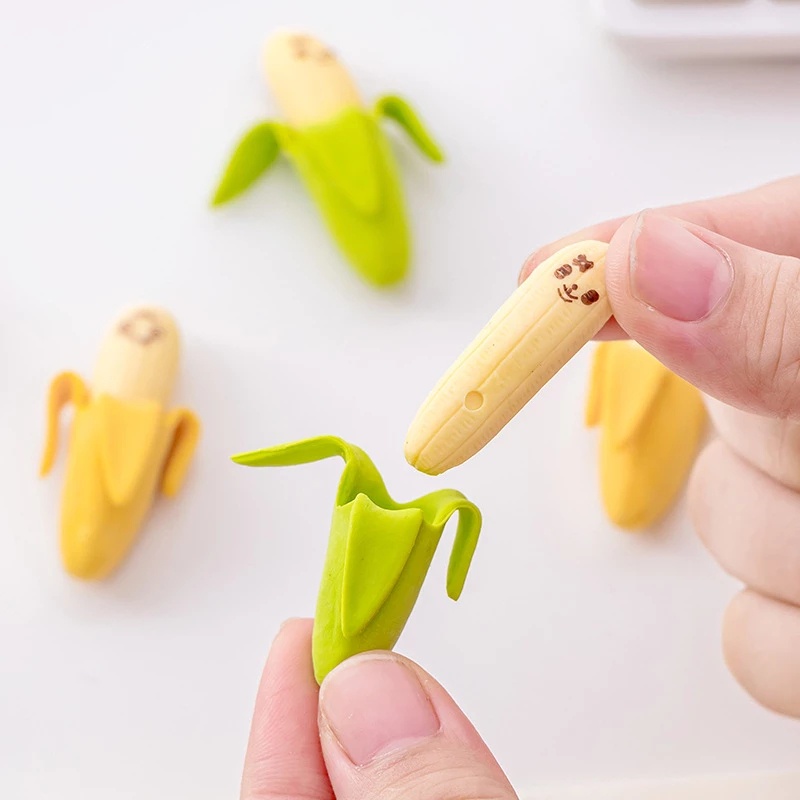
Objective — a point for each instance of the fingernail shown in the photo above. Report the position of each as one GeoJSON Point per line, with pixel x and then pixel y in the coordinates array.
{"type": "Point", "coordinates": [375, 705]}
{"type": "Point", "coordinates": [674, 271]}
{"type": "Point", "coordinates": [287, 622]}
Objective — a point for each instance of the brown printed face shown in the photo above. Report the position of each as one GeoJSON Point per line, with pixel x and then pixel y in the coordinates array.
{"type": "Point", "coordinates": [142, 327]}
{"type": "Point", "coordinates": [309, 82]}
{"type": "Point", "coordinates": [138, 359]}
{"type": "Point", "coordinates": [306, 48]}
{"type": "Point", "coordinates": [569, 291]}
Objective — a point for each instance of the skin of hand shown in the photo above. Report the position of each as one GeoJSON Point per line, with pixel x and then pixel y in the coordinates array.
{"type": "Point", "coordinates": [379, 727]}
{"type": "Point", "coordinates": [712, 289]}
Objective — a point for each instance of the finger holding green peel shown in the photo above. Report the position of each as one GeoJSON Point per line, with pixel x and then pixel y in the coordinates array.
{"type": "Point", "coordinates": [379, 551]}
{"type": "Point", "coordinates": [340, 151]}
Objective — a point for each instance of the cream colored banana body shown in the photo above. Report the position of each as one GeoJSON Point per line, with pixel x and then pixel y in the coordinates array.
{"type": "Point", "coordinates": [311, 86]}
{"type": "Point", "coordinates": [555, 312]}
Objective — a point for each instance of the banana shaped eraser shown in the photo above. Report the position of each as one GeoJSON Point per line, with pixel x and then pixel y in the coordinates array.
{"type": "Point", "coordinates": [652, 423]}
{"type": "Point", "coordinates": [560, 307]}
{"type": "Point", "coordinates": [338, 149]}
{"type": "Point", "coordinates": [379, 551]}
{"type": "Point", "coordinates": [125, 444]}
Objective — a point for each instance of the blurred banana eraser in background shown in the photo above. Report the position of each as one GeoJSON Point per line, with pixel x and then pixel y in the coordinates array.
{"type": "Point", "coordinates": [651, 425]}
{"type": "Point", "coordinates": [124, 446]}
{"type": "Point", "coordinates": [560, 307]}
{"type": "Point", "coordinates": [340, 151]}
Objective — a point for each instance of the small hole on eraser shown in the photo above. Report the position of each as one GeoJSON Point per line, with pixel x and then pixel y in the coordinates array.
{"type": "Point", "coordinates": [473, 401]}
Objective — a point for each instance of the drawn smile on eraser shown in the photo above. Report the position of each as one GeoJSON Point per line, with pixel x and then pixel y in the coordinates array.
{"type": "Point", "coordinates": [560, 307]}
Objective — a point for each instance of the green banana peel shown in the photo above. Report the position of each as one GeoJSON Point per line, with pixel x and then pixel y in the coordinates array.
{"type": "Point", "coordinates": [349, 169]}
{"type": "Point", "coordinates": [379, 551]}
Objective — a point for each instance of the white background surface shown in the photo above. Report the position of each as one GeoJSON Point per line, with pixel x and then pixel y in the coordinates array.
{"type": "Point", "coordinates": [581, 653]}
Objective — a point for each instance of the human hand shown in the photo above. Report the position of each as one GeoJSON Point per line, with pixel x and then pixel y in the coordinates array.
{"type": "Point", "coordinates": [712, 289]}
{"type": "Point", "coordinates": [379, 727]}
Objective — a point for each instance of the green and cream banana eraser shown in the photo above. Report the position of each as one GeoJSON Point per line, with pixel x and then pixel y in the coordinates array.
{"type": "Point", "coordinates": [379, 551]}
{"type": "Point", "coordinates": [558, 309]}
{"type": "Point", "coordinates": [338, 149]}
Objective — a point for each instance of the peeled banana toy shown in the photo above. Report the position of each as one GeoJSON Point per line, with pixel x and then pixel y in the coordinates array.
{"type": "Point", "coordinates": [379, 551]}
{"type": "Point", "coordinates": [651, 422]}
{"type": "Point", "coordinates": [338, 148]}
{"type": "Point", "coordinates": [125, 445]}
{"type": "Point", "coordinates": [552, 314]}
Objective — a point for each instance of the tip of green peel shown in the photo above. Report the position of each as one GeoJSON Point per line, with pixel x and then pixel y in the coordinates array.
{"type": "Point", "coordinates": [219, 198]}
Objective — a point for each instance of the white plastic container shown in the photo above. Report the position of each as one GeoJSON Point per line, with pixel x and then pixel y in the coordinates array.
{"type": "Point", "coordinates": [704, 28]}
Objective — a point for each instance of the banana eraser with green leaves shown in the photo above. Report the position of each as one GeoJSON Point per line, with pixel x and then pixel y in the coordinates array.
{"type": "Point", "coordinates": [560, 307]}
{"type": "Point", "coordinates": [379, 551]}
{"type": "Point", "coordinates": [125, 443]}
{"type": "Point", "coordinates": [339, 150]}
{"type": "Point", "coordinates": [651, 422]}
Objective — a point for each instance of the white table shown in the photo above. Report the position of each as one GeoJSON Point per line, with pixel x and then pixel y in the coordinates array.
{"type": "Point", "coordinates": [580, 652]}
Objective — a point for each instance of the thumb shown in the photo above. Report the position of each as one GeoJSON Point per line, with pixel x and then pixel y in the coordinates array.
{"type": "Point", "coordinates": [388, 730]}
{"type": "Point", "coordinates": [721, 315]}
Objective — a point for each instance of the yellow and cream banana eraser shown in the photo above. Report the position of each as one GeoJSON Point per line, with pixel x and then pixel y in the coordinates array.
{"type": "Point", "coordinates": [560, 307]}
{"type": "Point", "coordinates": [126, 445]}
{"type": "Point", "coordinates": [652, 424]}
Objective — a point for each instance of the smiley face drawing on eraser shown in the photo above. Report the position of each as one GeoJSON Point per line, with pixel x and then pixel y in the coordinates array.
{"type": "Point", "coordinates": [306, 48]}
{"type": "Point", "coordinates": [143, 327]}
{"type": "Point", "coordinates": [568, 293]}
{"type": "Point", "coordinates": [555, 312]}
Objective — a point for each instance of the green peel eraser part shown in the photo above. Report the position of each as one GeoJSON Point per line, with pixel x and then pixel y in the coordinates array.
{"type": "Point", "coordinates": [400, 110]}
{"type": "Point", "coordinates": [349, 170]}
{"type": "Point", "coordinates": [252, 157]}
{"type": "Point", "coordinates": [379, 551]}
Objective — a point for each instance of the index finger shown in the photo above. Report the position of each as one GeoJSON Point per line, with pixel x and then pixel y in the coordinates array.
{"type": "Point", "coordinates": [284, 756]}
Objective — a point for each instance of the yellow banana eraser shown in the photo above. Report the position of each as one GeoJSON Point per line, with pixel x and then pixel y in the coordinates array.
{"type": "Point", "coordinates": [125, 444]}
{"type": "Point", "coordinates": [652, 423]}
{"type": "Point", "coordinates": [552, 314]}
